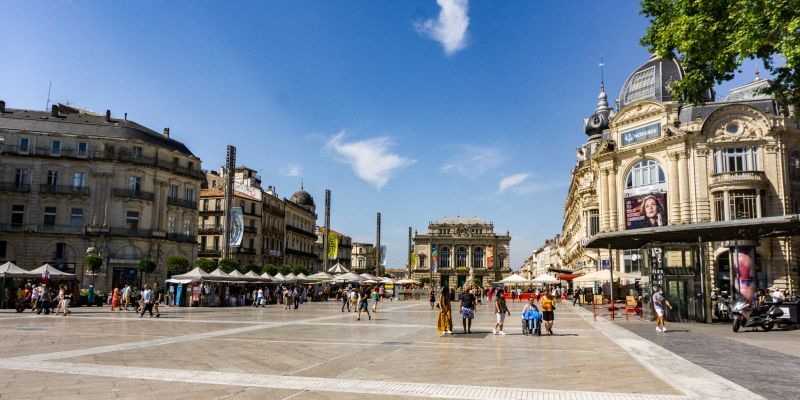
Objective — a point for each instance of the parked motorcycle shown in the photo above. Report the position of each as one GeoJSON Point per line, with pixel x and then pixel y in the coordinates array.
{"type": "Point", "coordinates": [722, 309]}
{"type": "Point", "coordinates": [748, 315]}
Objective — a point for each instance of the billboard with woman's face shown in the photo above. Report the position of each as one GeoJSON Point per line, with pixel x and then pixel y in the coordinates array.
{"type": "Point", "coordinates": [645, 211]}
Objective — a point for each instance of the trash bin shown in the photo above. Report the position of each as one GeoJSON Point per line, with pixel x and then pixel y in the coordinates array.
{"type": "Point", "coordinates": [790, 312]}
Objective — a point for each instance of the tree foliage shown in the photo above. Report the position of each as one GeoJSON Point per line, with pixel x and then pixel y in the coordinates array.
{"type": "Point", "coordinates": [93, 262]}
{"type": "Point", "coordinates": [270, 269]}
{"type": "Point", "coordinates": [297, 270]}
{"type": "Point", "coordinates": [206, 264]}
{"type": "Point", "coordinates": [227, 265]}
{"type": "Point", "coordinates": [711, 39]}
{"type": "Point", "coordinates": [146, 265]}
{"type": "Point", "coordinates": [285, 269]}
{"type": "Point", "coordinates": [177, 264]}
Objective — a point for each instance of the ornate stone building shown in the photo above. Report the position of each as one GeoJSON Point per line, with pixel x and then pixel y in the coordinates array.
{"type": "Point", "coordinates": [680, 195]}
{"type": "Point", "coordinates": [72, 179]}
{"type": "Point", "coordinates": [301, 237]}
{"type": "Point", "coordinates": [363, 258]}
{"type": "Point", "coordinates": [344, 252]}
{"type": "Point", "coordinates": [459, 248]}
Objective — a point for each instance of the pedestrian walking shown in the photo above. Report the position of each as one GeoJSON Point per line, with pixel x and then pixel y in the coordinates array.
{"type": "Point", "coordinates": [519, 295]}
{"type": "Point", "coordinates": [126, 296]}
{"type": "Point", "coordinates": [363, 297]}
{"type": "Point", "coordinates": [500, 311]}
{"type": "Point", "coordinates": [296, 297]}
{"type": "Point", "coordinates": [576, 297]}
{"type": "Point", "coordinates": [354, 299]}
{"type": "Point", "coordinates": [147, 299]}
{"type": "Point", "coordinates": [158, 294]}
{"type": "Point", "coordinates": [286, 302]}
{"type": "Point", "coordinates": [432, 298]}
{"type": "Point", "coordinates": [659, 304]}
{"type": "Point", "coordinates": [548, 312]}
{"type": "Point", "coordinates": [445, 322]}
{"type": "Point", "coordinates": [345, 299]}
{"type": "Point", "coordinates": [259, 298]}
{"type": "Point", "coordinates": [374, 296]}
{"type": "Point", "coordinates": [115, 300]}
{"type": "Point", "coordinates": [513, 294]}
{"type": "Point", "coordinates": [467, 310]}
{"type": "Point", "coordinates": [491, 292]}
{"type": "Point", "coordinates": [43, 304]}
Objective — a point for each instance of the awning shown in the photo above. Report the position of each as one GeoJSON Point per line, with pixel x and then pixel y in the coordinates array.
{"type": "Point", "coordinates": [567, 277]}
{"type": "Point", "coordinates": [740, 229]}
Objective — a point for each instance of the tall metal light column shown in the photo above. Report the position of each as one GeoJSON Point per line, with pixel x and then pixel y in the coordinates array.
{"type": "Point", "coordinates": [327, 229]}
{"type": "Point", "coordinates": [230, 166]}
{"type": "Point", "coordinates": [378, 247]}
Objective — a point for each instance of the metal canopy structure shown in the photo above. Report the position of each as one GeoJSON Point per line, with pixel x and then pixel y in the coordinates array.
{"type": "Point", "coordinates": [741, 229]}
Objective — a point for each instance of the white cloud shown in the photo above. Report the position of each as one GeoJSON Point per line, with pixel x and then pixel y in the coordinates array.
{"type": "Point", "coordinates": [370, 158]}
{"type": "Point", "coordinates": [512, 181]}
{"type": "Point", "coordinates": [471, 161]}
{"type": "Point", "coordinates": [450, 28]}
{"type": "Point", "coordinates": [291, 170]}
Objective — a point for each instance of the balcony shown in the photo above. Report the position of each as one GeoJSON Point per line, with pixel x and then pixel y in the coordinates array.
{"type": "Point", "coordinates": [15, 187]}
{"type": "Point", "coordinates": [185, 203]}
{"type": "Point", "coordinates": [135, 232]}
{"type": "Point", "coordinates": [209, 253]}
{"type": "Point", "coordinates": [211, 212]}
{"type": "Point", "coordinates": [68, 229]}
{"type": "Point", "coordinates": [745, 179]}
{"type": "Point", "coordinates": [133, 194]}
{"type": "Point", "coordinates": [243, 250]}
{"type": "Point", "coordinates": [64, 189]}
{"type": "Point", "coordinates": [250, 229]}
{"type": "Point", "coordinates": [209, 230]}
{"type": "Point", "coordinates": [179, 237]}
{"type": "Point", "coordinates": [17, 228]}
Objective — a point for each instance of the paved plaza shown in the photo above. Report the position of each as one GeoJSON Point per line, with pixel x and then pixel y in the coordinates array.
{"type": "Point", "coordinates": [318, 352]}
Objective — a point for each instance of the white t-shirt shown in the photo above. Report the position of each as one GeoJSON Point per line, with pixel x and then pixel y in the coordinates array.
{"type": "Point", "coordinates": [777, 296]}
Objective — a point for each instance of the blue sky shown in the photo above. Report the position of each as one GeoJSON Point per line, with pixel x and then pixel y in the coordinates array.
{"type": "Point", "coordinates": [416, 109]}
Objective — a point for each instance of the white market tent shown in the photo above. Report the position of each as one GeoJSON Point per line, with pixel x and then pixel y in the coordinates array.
{"type": "Point", "coordinates": [321, 276]}
{"type": "Point", "coordinates": [256, 277]}
{"type": "Point", "coordinates": [279, 277]}
{"type": "Point", "coordinates": [514, 279]}
{"type": "Point", "coordinates": [369, 281]}
{"type": "Point", "coordinates": [11, 270]}
{"type": "Point", "coordinates": [408, 282]}
{"type": "Point", "coordinates": [302, 277]}
{"type": "Point", "coordinates": [348, 277]}
{"type": "Point", "coordinates": [196, 274]}
{"type": "Point", "coordinates": [268, 276]}
{"type": "Point", "coordinates": [338, 269]}
{"type": "Point", "coordinates": [603, 275]}
{"type": "Point", "coordinates": [54, 273]}
{"type": "Point", "coordinates": [387, 280]}
{"type": "Point", "coordinates": [546, 279]}
{"type": "Point", "coordinates": [370, 277]}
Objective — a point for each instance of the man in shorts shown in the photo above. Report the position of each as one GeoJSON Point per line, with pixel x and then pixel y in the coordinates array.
{"type": "Point", "coordinates": [363, 303]}
{"type": "Point", "coordinates": [467, 310]}
{"type": "Point", "coordinates": [500, 310]}
{"type": "Point", "coordinates": [659, 303]}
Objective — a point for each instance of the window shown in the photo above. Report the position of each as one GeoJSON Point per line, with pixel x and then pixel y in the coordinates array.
{"type": "Point", "coordinates": [205, 204]}
{"type": "Point", "coordinates": [132, 221]}
{"type": "Point", "coordinates": [742, 204]}
{"type": "Point", "coordinates": [642, 86]}
{"type": "Point", "coordinates": [83, 149]}
{"type": "Point", "coordinates": [189, 192]}
{"type": "Point", "coordinates": [191, 166]}
{"type": "Point", "coordinates": [645, 173]}
{"type": "Point", "coordinates": [21, 178]}
{"type": "Point", "coordinates": [422, 260]}
{"type": "Point", "coordinates": [592, 222]}
{"type": "Point", "coordinates": [253, 208]}
{"type": "Point", "coordinates": [3, 246]}
{"type": "Point", "coordinates": [137, 152]}
{"type": "Point", "coordinates": [632, 260]}
{"type": "Point", "coordinates": [252, 244]}
{"type": "Point", "coordinates": [173, 191]}
{"type": "Point", "coordinates": [444, 257]}
{"type": "Point", "coordinates": [217, 221]}
{"type": "Point", "coordinates": [55, 147]}
{"type": "Point", "coordinates": [50, 216]}
{"type": "Point", "coordinates": [175, 161]}
{"type": "Point", "coordinates": [461, 257]}
{"type": "Point", "coordinates": [218, 204]}
{"type": "Point", "coordinates": [796, 202]}
{"type": "Point", "coordinates": [60, 251]}
{"type": "Point", "coordinates": [135, 184]}
{"type": "Point", "coordinates": [171, 225]}
{"type": "Point", "coordinates": [203, 242]}
{"type": "Point", "coordinates": [216, 242]}
{"type": "Point", "coordinates": [794, 165]}
{"type": "Point", "coordinates": [214, 184]}
{"type": "Point", "coordinates": [76, 218]}
{"type": "Point", "coordinates": [187, 227]}
{"type": "Point", "coordinates": [735, 159]}
{"type": "Point", "coordinates": [719, 206]}
{"type": "Point", "coordinates": [477, 257]}
{"type": "Point", "coordinates": [23, 144]}
{"type": "Point", "coordinates": [79, 180]}
{"type": "Point", "coordinates": [52, 178]}
{"type": "Point", "coordinates": [17, 214]}
{"type": "Point", "coordinates": [241, 204]}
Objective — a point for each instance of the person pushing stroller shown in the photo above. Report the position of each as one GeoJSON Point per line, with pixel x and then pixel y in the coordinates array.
{"type": "Point", "coordinates": [531, 319]}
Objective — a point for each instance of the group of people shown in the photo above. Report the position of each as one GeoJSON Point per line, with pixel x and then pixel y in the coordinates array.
{"type": "Point", "coordinates": [357, 301]}
{"type": "Point", "coordinates": [147, 302]}
{"type": "Point", "coordinates": [43, 299]}
{"type": "Point", "coordinates": [468, 309]}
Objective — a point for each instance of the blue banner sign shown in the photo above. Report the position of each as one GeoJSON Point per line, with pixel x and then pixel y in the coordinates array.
{"type": "Point", "coordinates": [641, 134]}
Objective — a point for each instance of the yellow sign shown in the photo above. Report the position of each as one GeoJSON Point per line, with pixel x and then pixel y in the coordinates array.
{"type": "Point", "coordinates": [333, 246]}
{"type": "Point", "coordinates": [412, 261]}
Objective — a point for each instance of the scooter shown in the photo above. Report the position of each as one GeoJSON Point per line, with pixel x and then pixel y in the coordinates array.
{"type": "Point", "coordinates": [722, 310]}
{"type": "Point", "coordinates": [748, 315]}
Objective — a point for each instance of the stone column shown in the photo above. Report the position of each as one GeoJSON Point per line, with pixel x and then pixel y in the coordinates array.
{"type": "Point", "coordinates": [613, 202]}
{"type": "Point", "coordinates": [604, 201]}
{"type": "Point", "coordinates": [683, 168]}
{"type": "Point", "coordinates": [726, 209]}
{"type": "Point", "coordinates": [674, 211]}
{"type": "Point", "coordinates": [107, 189]}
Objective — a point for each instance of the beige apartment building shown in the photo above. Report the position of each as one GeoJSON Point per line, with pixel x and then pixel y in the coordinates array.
{"type": "Point", "coordinates": [363, 258]}
{"type": "Point", "coordinates": [691, 197]}
{"type": "Point", "coordinates": [273, 229]}
{"type": "Point", "coordinates": [345, 248]}
{"type": "Point", "coordinates": [72, 179]}
{"type": "Point", "coordinates": [301, 222]}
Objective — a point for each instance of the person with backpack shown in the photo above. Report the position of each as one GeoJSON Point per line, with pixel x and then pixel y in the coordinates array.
{"type": "Point", "coordinates": [500, 310]}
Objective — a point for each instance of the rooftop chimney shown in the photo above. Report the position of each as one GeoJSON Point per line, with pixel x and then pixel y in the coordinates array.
{"type": "Point", "coordinates": [166, 132]}
{"type": "Point", "coordinates": [54, 111]}
{"type": "Point", "coordinates": [2, 106]}
{"type": "Point", "coordinates": [108, 115]}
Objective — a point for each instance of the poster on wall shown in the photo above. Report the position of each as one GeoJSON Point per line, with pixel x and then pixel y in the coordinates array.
{"type": "Point", "coordinates": [434, 257]}
{"type": "Point", "coordinates": [237, 226]}
{"type": "Point", "coordinates": [333, 246]}
{"type": "Point", "coordinates": [412, 261]}
{"type": "Point", "coordinates": [745, 271]}
{"type": "Point", "coordinates": [489, 256]}
{"type": "Point", "coordinates": [642, 134]}
{"type": "Point", "coordinates": [646, 211]}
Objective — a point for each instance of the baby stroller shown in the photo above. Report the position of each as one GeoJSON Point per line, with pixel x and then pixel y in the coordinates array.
{"type": "Point", "coordinates": [532, 318]}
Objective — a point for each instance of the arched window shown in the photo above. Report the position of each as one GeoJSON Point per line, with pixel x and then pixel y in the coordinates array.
{"type": "Point", "coordinates": [645, 173]}
{"type": "Point", "coordinates": [444, 257]}
{"type": "Point", "coordinates": [477, 257]}
{"type": "Point", "coordinates": [461, 257]}
{"type": "Point", "coordinates": [422, 261]}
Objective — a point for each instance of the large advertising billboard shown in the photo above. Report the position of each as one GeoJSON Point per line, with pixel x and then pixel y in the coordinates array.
{"type": "Point", "coordinates": [333, 246]}
{"type": "Point", "coordinates": [489, 257]}
{"type": "Point", "coordinates": [237, 227]}
{"type": "Point", "coordinates": [645, 211]}
{"type": "Point", "coordinates": [642, 134]}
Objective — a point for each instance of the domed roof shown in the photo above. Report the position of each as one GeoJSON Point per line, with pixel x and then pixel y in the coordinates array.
{"type": "Point", "coordinates": [598, 121]}
{"type": "Point", "coordinates": [303, 199]}
{"type": "Point", "coordinates": [652, 81]}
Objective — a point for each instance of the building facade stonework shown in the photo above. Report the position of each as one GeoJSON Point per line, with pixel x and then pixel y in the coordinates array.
{"type": "Point", "coordinates": [71, 179]}
{"type": "Point", "coordinates": [455, 249]}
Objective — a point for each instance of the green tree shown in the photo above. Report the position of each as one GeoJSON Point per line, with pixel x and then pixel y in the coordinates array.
{"type": "Point", "coordinates": [712, 38]}
{"type": "Point", "coordinates": [146, 266]}
{"type": "Point", "coordinates": [93, 263]}
{"type": "Point", "coordinates": [177, 264]}
{"type": "Point", "coordinates": [206, 264]}
{"type": "Point", "coordinates": [297, 270]}
{"type": "Point", "coordinates": [251, 267]}
{"type": "Point", "coordinates": [285, 269]}
{"type": "Point", "coordinates": [227, 265]}
{"type": "Point", "coordinates": [270, 269]}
